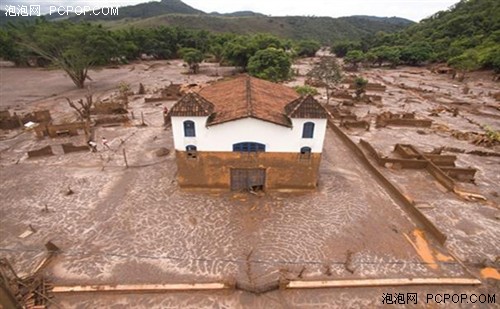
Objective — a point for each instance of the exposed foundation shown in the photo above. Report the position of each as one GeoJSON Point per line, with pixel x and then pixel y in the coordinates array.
{"type": "Point", "coordinates": [10, 122]}
{"type": "Point", "coordinates": [282, 171]}
{"type": "Point", "coordinates": [45, 151]}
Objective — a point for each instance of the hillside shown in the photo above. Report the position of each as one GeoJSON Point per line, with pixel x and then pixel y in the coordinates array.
{"type": "Point", "coordinates": [145, 10]}
{"type": "Point", "coordinates": [467, 35]}
{"type": "Point", "coordinates": [177, 13]}
{"type": "Point", "coordinates": [390, 20]}
{"type": "Point", "coordinates": [237, 14]}
{"type": "Point", "coordinates": [324, 29]}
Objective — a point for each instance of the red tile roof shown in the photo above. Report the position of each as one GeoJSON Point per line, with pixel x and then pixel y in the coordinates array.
{"type": "Point", "coordinates": [305, 107]}
{"type": "Point", "coordinates": [192, 104]}
{"type": "Point", "coordinates": [246, 96]}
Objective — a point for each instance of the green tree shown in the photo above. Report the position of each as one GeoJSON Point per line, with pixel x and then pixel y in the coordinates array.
{"type": "Point", "coordinates": [192, 57]}
{"type": "Point", "coordinates": [263, 40]}
{"type": "Point", "coordinates": [271, 63]}
{"type": "Point", "coordinates": [342, 48]}
{"type": "Point", "coordinates": [354, 58]}
{"type": "Point", "coordinates": [238, 51]}
{"type": "Point", "coordinates": [307, 48]}
{"type": "Point", "coordinates": [464, 63]}
{"type": "Point", "coordinates": [75, 48]}
{"type": "Point", "coordinates": [417, 53]}
{"type": "Point", "coordinates": [327, 71]}
{"type": "Point", "coordinates": [491, 59]}
{"type": "Point", "coordinates": [8, 50]}
{"type": "Point", "coordinates": [217, 51]}
{"type": "Point", "coordinates": [360, 85]}
{"type": "Point", "coordinates": [382, 54]}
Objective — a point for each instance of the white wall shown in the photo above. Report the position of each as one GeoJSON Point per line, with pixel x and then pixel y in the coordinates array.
{"type": "Point", "coordinates": [221, 137]}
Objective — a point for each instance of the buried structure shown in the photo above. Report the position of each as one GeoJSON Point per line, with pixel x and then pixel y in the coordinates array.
{"type": "Point", "coordinates": [247, 133]}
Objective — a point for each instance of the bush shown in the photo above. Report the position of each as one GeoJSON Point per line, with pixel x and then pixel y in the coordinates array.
{"type": "Point", "coordinates": [306, 90]}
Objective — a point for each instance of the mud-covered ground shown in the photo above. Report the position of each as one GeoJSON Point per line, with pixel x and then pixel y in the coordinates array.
{"type": "Point", "coordinates": [133, 225]}
{"type": "Point", "coordinates": [473, 228]}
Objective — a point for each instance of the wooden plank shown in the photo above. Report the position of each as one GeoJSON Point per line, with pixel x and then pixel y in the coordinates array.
{"type": "Point", "coordinates": [26, 234]}
{"type": "Point", "coordinates": [381, 282]}
{"type": "Point", "coordinates": [140, 287]}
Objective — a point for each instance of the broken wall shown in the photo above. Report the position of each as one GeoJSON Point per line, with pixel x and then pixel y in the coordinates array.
{"type": "Point", "coordinates": [55, 130]}
{"type": "Point", "coordinates": [45, 151]}
{"type": "Point", "coordinates": [10, 122]}
{"type": "Point", "coordinates": [69, 147]}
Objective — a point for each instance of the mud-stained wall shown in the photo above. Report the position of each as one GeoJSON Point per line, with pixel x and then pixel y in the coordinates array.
{"type": "Point", "coordinates": [69, 147]}
{"type": "Point", "coordinates": [10, 122]}
{"type": "Point", "coordinates": [213, 169]}
{"type": "Point", "coordinates": [45, 151]}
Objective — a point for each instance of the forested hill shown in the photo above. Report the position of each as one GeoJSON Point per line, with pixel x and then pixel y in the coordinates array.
{"type": "Point", "coordinates": [323, 29]}
{"type": "Point", "coordinates": [145, 10]}
{"type": "Point", "coordinates": [466, 36]}
{"type": "Point", "coordinates": [177, 13]}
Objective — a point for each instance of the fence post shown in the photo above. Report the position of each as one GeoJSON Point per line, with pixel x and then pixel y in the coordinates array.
{"type": "Point", "coordinates": [125, 157]}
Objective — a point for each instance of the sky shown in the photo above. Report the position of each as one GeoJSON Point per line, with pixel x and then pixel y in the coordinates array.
{"type": "Point", "coordinates": [411, 9]}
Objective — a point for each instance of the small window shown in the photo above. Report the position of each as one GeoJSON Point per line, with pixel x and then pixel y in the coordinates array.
{"type": "Point", "coordinates": [189, 130]}
{"type": "Point", "coordinates": [191, 152]}
{"type": "Point", "coordinates": [308, 131]}
{"type": "Point", "coordinates": [249, 147]}
{"type": "Point", "coordinates": [305, 153]}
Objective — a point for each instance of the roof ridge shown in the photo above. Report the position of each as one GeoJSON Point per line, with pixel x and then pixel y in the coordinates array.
{"type": "Point", "coordinates": [199, 100]}
{"type": "Point", "coordinates": [298, 102]}
{"type": "Point", "coordinates": [249, 96]}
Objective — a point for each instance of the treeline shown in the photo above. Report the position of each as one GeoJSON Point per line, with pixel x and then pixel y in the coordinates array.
{"type": "Point", "coordinates": [467, 37]}
{"type": "Point", "coordinates": [75, 47]}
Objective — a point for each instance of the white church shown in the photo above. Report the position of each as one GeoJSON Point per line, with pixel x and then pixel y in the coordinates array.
{"type": "Point", "coordinates": [247, 133]}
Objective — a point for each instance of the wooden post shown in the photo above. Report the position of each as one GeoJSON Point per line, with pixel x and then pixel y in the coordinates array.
{"type": "Point", "coordinates": [125, 157]}
{"type": "Point", "coordinates": [21, 124]}
{"type": "Point", "coordinates": [142, 119]}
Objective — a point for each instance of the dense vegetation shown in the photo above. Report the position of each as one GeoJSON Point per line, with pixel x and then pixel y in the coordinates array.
{"type": "Point", "coordinates": [176, 13]}
{"type": "Point", "coordinates": [324, 29]}
{"type": "Point", "coordinates": [467, 37]}
{"type": "Point", "coordinates": [271, 63]}
{"type": "Point", "coordinates": [76, 47]}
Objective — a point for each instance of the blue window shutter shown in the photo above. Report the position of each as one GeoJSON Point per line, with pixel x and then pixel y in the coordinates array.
{"type": "Point", "coordinates": [308, 130]}
{"type": "Point", "coordinates": [189, 129]}
{"type": "Point", "coordinates": [249, 147]}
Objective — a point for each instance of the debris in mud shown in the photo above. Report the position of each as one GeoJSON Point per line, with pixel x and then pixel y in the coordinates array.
{"type": "Point", "coordinates": [162, 152]}
{"type": "Point", "coordinates": [327, 270]}
{"type": "Point", "coordinates": [478, 139]}
{"type": "Point", "coordinates": [69, 191]}
{"type": "Point", "coordinates": [111, 120]}
{"type": "Point", "coordinates": [442, 69]}
{"type": "Point", "coordinates": [10, 122]}
{"type": "Point", "coordinates": [348, 265]}
{"type": "Point", "coordinates": [453, 149]}
{"type": "Point", "coordinates": [142, 89]}
{"type": "Point", "coordinates": [105, 108]}
{"type": "Point", "coordinates": [313, 82]}
{"type": "Point", "coordinates": [32, 291]}
{"type": "Point", "coordinates": [484, 153]}
{"type": "Point", "coordinates": [401, 119]}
